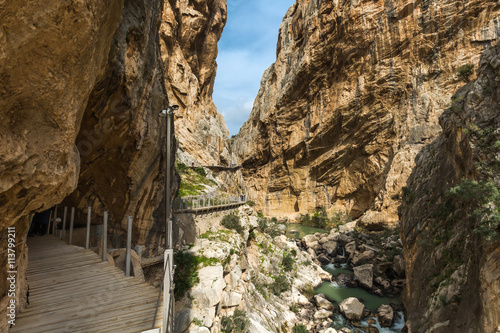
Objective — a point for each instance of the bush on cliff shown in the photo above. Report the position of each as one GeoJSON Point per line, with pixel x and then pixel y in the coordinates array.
{"type": "Point", "coordinates": [232, 221]}
{"type": "Point", "coordinates": [237, 323]}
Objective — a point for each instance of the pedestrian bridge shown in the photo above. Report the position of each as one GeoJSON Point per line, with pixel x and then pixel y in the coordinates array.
{"type": "Point", "coordinates": [72, 290]}
{"type": "Point", "coordinates": [205, 204]}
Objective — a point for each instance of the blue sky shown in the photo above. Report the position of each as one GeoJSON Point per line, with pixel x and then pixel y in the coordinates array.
{"type": "Point", "coordinates": [246, 49]}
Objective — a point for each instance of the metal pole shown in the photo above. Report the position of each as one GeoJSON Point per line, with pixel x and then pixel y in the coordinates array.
{"type": "Point", "coordinates": [54, 225]}
{"type": "Point", "coordinates": [169, 229]}
{"type": "Point", "coordinates": [167, 176]}
{"type": "Point", "coordinates": [63, 232]}
{"type": "Point", "coordinates": [105, 237]}
{"type": "Point", "coordinates": [129, 245]}
{"type": "Point", "coordinates": [87, 240]}
{"type": "Point", "coordinates": [71, 223]}
{"type": "Point", "coordinates": [167, 290]}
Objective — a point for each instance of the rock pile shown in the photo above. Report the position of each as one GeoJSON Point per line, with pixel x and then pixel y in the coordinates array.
{"type": "Point", "coordinates": [376, 259]}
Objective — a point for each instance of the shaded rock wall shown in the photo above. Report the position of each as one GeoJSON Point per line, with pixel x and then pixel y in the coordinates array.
{"type": "Point", "coordinates": [51, 56]}
{"type": "Point", "coordinates": [189, 35]}
{"type": "Point", "coordinates": [353, 96]}
{"type": "Point", "coordinates": [453, 281]}
{"type": "Point", "coordinates": [122, 137]}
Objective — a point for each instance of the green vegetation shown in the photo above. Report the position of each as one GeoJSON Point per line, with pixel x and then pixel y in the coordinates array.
{"type": "Point", "coordinates": [294, 308]}
{"type": "Point", "coordinates": [186, 275]}
{"type": "Point", "coordinates": [279, 285]}
{"type": "Point", "coordinates": [193, 181]}
{"type": "Point", "coordinates": [251, 203]}
{"type": "Point", "coordinates": [465, 71]}
{"type": "Point", "coordinates": [197, 322]}
{"type": "Point", "coordinates": [237, 323]}
{"type": "Point", "coordinates": [269, 227]}
{"type": "Point", "coordinates": [288, 262]}
{"type": "Point", "coordinates": [480, 201]}
{"type": "Point", "coordinates": [300, 328]}
{"type": "Point", "coordinates": [232, 221]}
{"type": "Point", "coordinates": [320, 219]}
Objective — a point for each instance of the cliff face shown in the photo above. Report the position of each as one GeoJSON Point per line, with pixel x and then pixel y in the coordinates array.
{"type": "Point", "coordinates": [51, 57]}
{"type": "Point", "coordinates": [81, 87]}
{"type": "Point", "coordinates": [189, 34]}
{"type": "Point", "coordinates": [355, 93]}
{"type": "Point", "coordinates": [453, 280]}
{"type": "Point", "coordinates": [122, 137]}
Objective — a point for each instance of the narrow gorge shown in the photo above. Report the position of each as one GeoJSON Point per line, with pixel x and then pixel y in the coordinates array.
{"type": "Point", "coordinates": [361, 195]}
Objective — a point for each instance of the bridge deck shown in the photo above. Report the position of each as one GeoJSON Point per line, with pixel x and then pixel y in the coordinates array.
{"type": "Point", "coordinates": [72, 290]}
{"type": "Point", "coordinates": [209, 208]}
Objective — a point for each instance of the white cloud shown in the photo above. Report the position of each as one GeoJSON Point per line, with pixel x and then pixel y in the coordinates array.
{"type": "Point", "coordinates": [247, 48]}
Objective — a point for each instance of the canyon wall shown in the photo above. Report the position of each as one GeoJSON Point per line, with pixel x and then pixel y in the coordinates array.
{"type": "Point", "coordinates": [450, 225]}
{"type": "Point", "coordinates": [81, 88]}
{"type": "Point", "coordinates": [354, 95]}
{"type": "Point", "coordinates": [189, 34]}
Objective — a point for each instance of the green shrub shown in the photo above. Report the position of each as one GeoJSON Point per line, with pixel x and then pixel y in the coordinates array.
{"type": "Point", "coordinates": [251, 203]}
{"type": "Point", "coordinates": [287, 262]}
{"type": "Point", "coordinates": [279, 285]}
{"type": "Point", "coordinates": [300, 328]}
{"type": "Point", "coordinates": [181, 167]}
{"type": "Point", "coordinates": [200, 171]}
{"type": "Point", "coordinates": [232, 221]}
{"type": "Point", "coordinates": [465, 71]}
{"type": "Point", "coordinates": [480, 201]}
{"type": "Point", "coordinates": [237, 323]}
{"type": "Point", "coordinates": [294, 308]}
{"type": "Point", "coordinates": [186, 274]}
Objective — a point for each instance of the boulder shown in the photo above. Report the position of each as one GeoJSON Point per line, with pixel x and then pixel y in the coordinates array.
{"type": "Point", "coordinates": [352, 308]}
{"type": "Point", "coordinates": [330, 247]}
{"type": "Point", "coordinates": [323, 259]}
{"type": "Point", "coordinates": [350, 248]}
{"type": "Point", "coordinates": [230, 299]}
{"type": "Point", "coordinates": [323, 303]}
{"type": "Point", "coordinates": [363, 258]}
{"type": "Point", "coordinates": [398, 266]}
{"type": "Point", "coordinates": [364, 274]}
{"type": "Point", "coordinates": [312, 253]}
{"type": "Point", "coordinates": [344, 279]}
{"type": "Point", "coordinates": [330, 330]}
{"type": "Point", "coordinates": [183, 319]}
{"type": "Point", "coordinates": [373, 221]}
{"type": "Point", "coordinates": [209, 291]}
{"type": "Point", "coordinates": [233, 277]}
{"type": "Point", "coordinates": [323, 314]}
{"type": "Point", "coordinates": [308, 240]}
{"type": "Point", "coordinates": [385, 315]}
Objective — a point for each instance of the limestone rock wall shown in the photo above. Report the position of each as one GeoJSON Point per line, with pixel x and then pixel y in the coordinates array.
{"type": "Point", "coordinates": [122, 138]}
{"type": "Point", "coordinates": [51, 56]}
{"type": "Point", "coordinates": [189, 34]}
{"type": "Point", "coordinates": [355, 93]}
{"type": "Point", "coordinates": [452, 272]}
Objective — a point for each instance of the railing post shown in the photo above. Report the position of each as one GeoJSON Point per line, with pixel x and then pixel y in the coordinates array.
{"type": "Point", "coordinates": [169, 244]}
{"type": "Point", "coordinates": [63, 231]}
{"type": "Point", "coordinates": [167, 292]}
{"type": "Point", "coordinates": [129, 245]}
{"type": "Point", "coordinates": [105, 236]}
{"type": "Point", "coordinates": [54, 225]}
{"type": "Point", "coordinates": [71, 223]}
{"type": "Point", "coordinates": [87, 239]}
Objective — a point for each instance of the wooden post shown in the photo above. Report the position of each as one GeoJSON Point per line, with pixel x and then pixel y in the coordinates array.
{"type": "Point", "coordinates": [129, 245]}
{"type": "Point", "coordinates": [87, 239]}
{"type": "Point", "coordinates": [105, 237]}
{"type": "Point", "coordinates": [54, 225]}
{"type": "Point", "coordinates": [63, 232]}
{"type": "Point", "coordinates": [71, 223]}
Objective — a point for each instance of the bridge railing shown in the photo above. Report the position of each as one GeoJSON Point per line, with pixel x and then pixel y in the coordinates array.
{"type": "Point", "coordinates": [206, 201]}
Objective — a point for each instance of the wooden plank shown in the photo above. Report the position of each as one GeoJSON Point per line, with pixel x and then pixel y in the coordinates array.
{"type": "Point", "coordinates": [71, 290]}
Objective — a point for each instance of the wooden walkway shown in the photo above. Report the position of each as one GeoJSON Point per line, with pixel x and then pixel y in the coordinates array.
{"type": "Point", "coordinates": [208, 209]}
{"type": "Point", "coordinates": [72, 290]}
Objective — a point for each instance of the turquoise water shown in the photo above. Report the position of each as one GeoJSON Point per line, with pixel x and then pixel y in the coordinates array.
{"type": "Point", "coordinates": [301, 229]}
{"type": "Point", "coordinates": [338, 293]}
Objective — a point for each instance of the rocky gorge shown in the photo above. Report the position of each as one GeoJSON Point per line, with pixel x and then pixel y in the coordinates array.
{"type": "Point", "coordinates": [349, 118]}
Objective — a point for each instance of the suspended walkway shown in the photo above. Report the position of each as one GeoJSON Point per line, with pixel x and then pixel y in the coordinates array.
{"type": "Point", "coordinates": [72, 290]}
{"type": "Point", "coordinates": [205, 204]}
